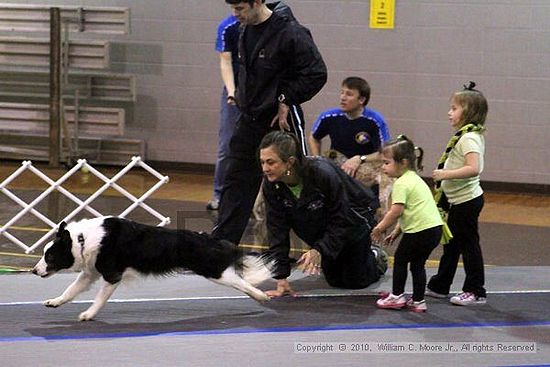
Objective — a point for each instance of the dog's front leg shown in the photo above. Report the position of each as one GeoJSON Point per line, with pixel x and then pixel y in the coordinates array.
{"type": "Point", "coordinates": [101, 298]}
{"type": "Point", "coordinates": [81, 284]}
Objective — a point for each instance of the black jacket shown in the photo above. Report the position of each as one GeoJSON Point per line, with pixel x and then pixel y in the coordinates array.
{"type": "Point", "coordinates": [333, 211]}
{"type": "Point", "coordinates": [284, 61]}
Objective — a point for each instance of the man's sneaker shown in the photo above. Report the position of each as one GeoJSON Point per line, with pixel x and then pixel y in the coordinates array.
{"type": "Point", "coordinates": [468, 299]}
{"type": "Point", "coordinates": [392, 301]}
{"type": "Point", "coordinates": [381, 258]}
{"type": "Point", "coordinates": [213, 205]}
{"type": "Point", "coordinates": [414, 306]}
{"type": "Point", "coordinates": [433, 294]}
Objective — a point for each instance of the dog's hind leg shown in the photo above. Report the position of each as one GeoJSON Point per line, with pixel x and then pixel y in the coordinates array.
{"type": "Point", "coordinates": [81, 284]}
{"type": "Point", "coordinates": [101, 298]}
{"type": "Point", "coordinates": [231, 279]}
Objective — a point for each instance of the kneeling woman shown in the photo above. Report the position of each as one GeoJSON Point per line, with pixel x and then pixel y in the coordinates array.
{"type": "Point", "coordinates": [332, 212]}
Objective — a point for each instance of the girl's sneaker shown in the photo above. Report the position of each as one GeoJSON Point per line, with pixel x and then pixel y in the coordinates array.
{"type": "Point", "coordinates": [392, 301]}
{"type": "Point", "coordinates": [419, 306]}
{"type": "Point", "coordinates": [468, 299]}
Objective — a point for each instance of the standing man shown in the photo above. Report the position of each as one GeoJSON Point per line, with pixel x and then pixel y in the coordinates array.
{"type": "Point", "coordinates": [280, 67]}
{"type": "Point", "coordinates": [227, 42]}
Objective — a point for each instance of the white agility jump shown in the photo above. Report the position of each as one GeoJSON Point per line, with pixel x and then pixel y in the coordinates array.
{"type": "Point", "coordinates": [81, 205]}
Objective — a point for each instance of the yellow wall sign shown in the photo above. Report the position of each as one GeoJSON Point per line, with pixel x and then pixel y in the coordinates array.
{"type": "Point", "coordinates": [382, 14]}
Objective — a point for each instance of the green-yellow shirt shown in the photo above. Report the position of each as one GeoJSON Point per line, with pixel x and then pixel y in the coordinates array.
{"type": "Point", "coordinates": [420, 211]}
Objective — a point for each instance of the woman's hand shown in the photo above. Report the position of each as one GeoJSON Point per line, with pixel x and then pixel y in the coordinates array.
{"type": "Point", "coordinates": [283, 288]}
{"type": "Point", "coordinates": [310, 262]}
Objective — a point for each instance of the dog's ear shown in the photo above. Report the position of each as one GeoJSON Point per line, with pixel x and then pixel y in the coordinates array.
{"type": "Point", "coordinates": [62, 226]}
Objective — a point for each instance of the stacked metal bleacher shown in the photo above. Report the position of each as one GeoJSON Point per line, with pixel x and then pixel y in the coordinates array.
{"type": "Point", "coordinates": [93, 98]}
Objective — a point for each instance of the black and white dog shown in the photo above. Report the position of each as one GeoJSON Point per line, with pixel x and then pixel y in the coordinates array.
{"type": "Point", "coordinates": [109, 247]}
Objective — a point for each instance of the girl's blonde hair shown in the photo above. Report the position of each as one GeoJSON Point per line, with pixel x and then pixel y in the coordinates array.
{"type": "Point", "coordinates": [473, 103]}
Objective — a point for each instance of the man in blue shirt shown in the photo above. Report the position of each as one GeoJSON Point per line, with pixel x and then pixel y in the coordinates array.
{"type": "Point", "coordinates": [355, 130]}
{"type": "Point", "coordinates": [356, 133]}
{"type": "Point", "coordinates": [227, 41]}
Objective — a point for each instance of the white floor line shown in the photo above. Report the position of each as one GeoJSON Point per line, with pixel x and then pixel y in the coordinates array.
{"type": "Point", "coordinates": [208, 298]}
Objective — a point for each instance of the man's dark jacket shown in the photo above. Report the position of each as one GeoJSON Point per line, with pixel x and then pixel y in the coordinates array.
{"type": "Point", "coordinates": [285, 61]}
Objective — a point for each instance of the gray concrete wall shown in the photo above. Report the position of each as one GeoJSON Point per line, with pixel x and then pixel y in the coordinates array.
{"type": "Point", "coordinates": [436, 46]}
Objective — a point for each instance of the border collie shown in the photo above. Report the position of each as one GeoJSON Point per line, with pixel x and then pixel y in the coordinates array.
{"type": "Point", "coordinates": [110, 247]}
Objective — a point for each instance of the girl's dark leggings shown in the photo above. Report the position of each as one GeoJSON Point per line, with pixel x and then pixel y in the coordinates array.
{"type": "Point", "coordinates": [414, 248]}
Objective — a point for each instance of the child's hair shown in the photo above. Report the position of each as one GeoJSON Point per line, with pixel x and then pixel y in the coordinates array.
{"type": "Point", "coordinates": [360, 85]}
{"type": "Point", "coordinates": [402, 148]}
{"type": "Point", "coordinates": [473, 103]}
{"type": "Point", "coordinates": [286, 144]}
{"type": "Point", "coordinates": [250, 2]}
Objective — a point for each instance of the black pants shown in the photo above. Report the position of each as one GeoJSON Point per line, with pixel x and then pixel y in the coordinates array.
{"type": "Point", "coordinates": [244, 176]}
{"type": "Point", "coordinates": [414, 248]}
{"type": "Point", "coordinates": [463, 223]}
{"type": "Point", "coordinates": [355, 266]}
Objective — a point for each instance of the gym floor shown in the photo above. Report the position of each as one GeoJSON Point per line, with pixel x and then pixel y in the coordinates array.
{"type": "Point", "coordinates": [186, 320]}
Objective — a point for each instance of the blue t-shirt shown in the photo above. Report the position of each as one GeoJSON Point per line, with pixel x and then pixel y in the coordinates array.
{"type": "Point", "coordinates": [363, 135]}
{"type": "Point", "coordinates": [227, 40]}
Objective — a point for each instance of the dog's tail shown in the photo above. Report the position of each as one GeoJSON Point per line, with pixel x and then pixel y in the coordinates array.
{"type": "Point", "coordinates": [257, 268]}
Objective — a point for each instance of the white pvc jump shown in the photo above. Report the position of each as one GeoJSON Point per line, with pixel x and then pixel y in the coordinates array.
{"type": "Point", "coordinates": [81, 205]}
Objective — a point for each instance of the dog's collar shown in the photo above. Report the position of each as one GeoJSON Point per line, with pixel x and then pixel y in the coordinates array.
{"type": "Point", "coordinates": [81, 242]}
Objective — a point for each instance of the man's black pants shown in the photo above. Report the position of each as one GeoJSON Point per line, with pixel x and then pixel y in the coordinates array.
{"type": "Point", "coordinates": [244, 176]}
